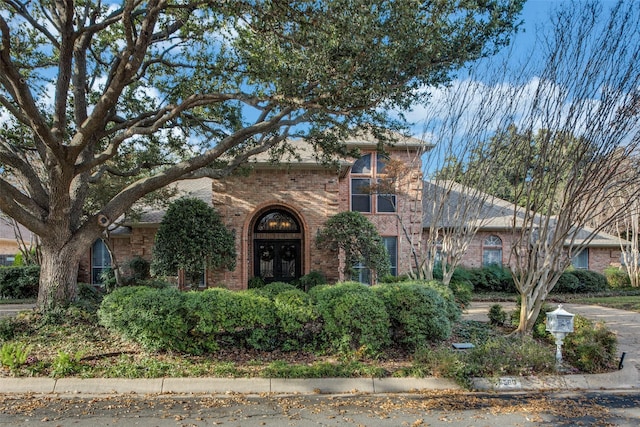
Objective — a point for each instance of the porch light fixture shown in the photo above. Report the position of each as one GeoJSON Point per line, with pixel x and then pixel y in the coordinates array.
{"type": "Point", "coordinates": [559, 324]}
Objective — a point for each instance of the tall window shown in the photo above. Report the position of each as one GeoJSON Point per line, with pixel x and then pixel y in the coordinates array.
{"type": "Point", "coordinates": [492, 251]}
{"type": "Point", "coordinates": [100, 261]}
{"type": "Point", "coordinates": [367, 170]}
{"type": "Point", "coordinates": [391, 243]}
{"type": "Point", "coordinates": [581, 260]}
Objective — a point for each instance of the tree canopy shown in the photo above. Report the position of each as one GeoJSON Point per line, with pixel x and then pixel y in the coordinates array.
{"type": "Point", "coordinates": [102, 103]}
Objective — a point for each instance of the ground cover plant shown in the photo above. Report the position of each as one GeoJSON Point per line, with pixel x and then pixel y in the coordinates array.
{"type": "Point", "coordinates": [74, 342]}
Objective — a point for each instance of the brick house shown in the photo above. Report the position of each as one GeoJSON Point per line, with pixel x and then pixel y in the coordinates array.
{"type": "Point", "coordinates": [11, 240]}
{"type": "Point", "coordinates": [492, 243]}
{"type": "Point", "coordinates": [276, 209]}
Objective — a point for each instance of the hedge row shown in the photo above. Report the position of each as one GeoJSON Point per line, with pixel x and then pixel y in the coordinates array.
{"type": "Point", "coordinates": [19, 282]}
{"type": "Point", "coordinates": [340, 318]}
{"type": "Point", "coordinates": [499, 279]}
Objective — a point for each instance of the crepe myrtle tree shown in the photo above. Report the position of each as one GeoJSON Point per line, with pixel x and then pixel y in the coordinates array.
{"type": "Point", "coordinates": [578, 136]}
{"type": "Point", "coordinates": [192, 238]}
{"type": "Point", "coordinates": [157, 91]}
{"type": "Point", "coordinates": [358, 240]}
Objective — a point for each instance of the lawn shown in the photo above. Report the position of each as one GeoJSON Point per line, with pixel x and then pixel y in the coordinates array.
{"type": "Point", "coordinates": [630, 303]}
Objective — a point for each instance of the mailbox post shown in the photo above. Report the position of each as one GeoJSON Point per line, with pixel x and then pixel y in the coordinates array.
{"type": "Point", "coordinates": [559, 324]}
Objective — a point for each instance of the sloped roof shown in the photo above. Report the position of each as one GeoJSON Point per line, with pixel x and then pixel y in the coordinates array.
{"type": "Point", "coordinates": [493, 213]}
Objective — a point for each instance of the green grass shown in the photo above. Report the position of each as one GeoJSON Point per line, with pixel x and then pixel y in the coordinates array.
{"type": "Point", "coordinates": [629, 303]}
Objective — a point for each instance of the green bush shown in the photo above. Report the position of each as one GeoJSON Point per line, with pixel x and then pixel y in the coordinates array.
{"type": "Point", "coordinates": [298, 319]}
{"type": "Point", "coordinates": [591, 347]}
{"type": "Point", "coordinates": [19, 282]}
{"type": "Point", "coordinates": [590, 281]}
{"type": "Point", "coordinates": [230, 318]}
{"type": "Point", "coordinates": [354, 318]}
{"type": "Point", "coordinates": [462, 292]}
{"type": "Point", "coordinates": [497, 315]}
{"type": "Point", "coordinates": [452, 309]}
{"type": "Point", "coordinates": [494, 278]}
{"type": "Point", "coordinates": [140, 269]}
{"type": "Point", "coordinates": [308, 281]}
{"type": "Point", "coordinates": [617, 277]}
{"type": "Point", "coordinates": [418, 313]}
{"type": "Point", "coordinates": [255, 282]}
{"type": "Point", "coordinates": [273, 289]}
{"type": "Point", "coordinates": [155, 318]}
{"type": "Point", "coordinates": [567, 284]}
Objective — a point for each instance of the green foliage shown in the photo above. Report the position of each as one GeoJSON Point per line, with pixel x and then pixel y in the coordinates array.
{"type": "Point", "coordinates": [273, 289]}
{"type": "Point", "coordinates": [497, 315]}
{"type": "Point", "coordinates": [191, 237]}
{"type": "Point", "coordinates": [418, 313]}
{"type": "Point", "coordinates": [140, 269]}
{"type": "Point", "coordinates": [591, 347]}
{"type": "Point", "coordinates": [462, 292]}
{"type": "Point", "coordinates": [19, 282]}
{"type": "Point", "coordinates": [539, 326]}
{"type": "Point", "coordinates": [355, 318]}
{"type": "Point", "coordinates": [256, 282]}
{"type": "Point", "coordinates": [298, 320]}
{"type": "Point", "coordinates": [66, 364]}
{"type": "Point", "coordinates": [617, 277]}
{"type": "Point", "coordinates": [492, 278]}
{"type": "Point", "coordinates": [7, 329]}
{"type": "Point", "coordinates": [580, 282]}
{"type": "Point", "coordinates": [227, 318]}
{"type": "Point", "coordinates": [308, 281]}
{"type": "Point", "coordinates": [14, 354]}
{"type": "Point", "coordinates": [566, 284]}
{"type": "Point", "coordinates": [590, 281]}
{"type": "Point", "coordinates": [155, 318]}
{"type": "Point", "coordinates": [358, 238]}
{"type": "Point", "coordinates": [452, 309]}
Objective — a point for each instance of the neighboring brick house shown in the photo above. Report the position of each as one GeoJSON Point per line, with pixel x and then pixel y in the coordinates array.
{"type": "Point", "coordinates": [492, 243]}
{"type": "Point", "coordinates": [9, 240]}
{"type": "Point", "coordinates": [276, 209]}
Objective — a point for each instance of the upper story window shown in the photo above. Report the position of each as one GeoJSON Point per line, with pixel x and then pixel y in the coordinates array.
{"type": "Point", "coordinates": [369, 191]}
{"type": "Point", "coordinates": [492, 251]}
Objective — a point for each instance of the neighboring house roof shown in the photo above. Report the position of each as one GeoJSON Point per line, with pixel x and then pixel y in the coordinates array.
{"type": "Point", "coordinates": [8, 234]}
{"type": "Point", "coordinates": [493, 213]}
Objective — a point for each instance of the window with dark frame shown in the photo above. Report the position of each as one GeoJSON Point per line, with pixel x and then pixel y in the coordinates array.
{"type": "Point", "coordinates": [367, 169]}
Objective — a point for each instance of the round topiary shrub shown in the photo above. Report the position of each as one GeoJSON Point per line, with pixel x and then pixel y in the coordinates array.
{"type": "Point", "coordinates": [566, 284]}
{"type": "Point", "coordinates": [354, 318]}
{"type": "Point", "coordinates": [418, 313]}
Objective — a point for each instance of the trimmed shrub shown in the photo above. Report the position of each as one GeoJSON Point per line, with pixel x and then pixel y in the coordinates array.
{"type": "Point", "coordinates": [590, 281]}
{"type": "Point", "coordinates": [617, 277]}
{"type": "Point", "coordinates": [354, 318]}
{"type": "Point", "coordinates": [298, 319]}
{"type": "Point", "coordinates": [230, 318]}
{"type": "Point", "coordinates": [273, 289]}
{"type": "Point", "coordinates": [154, 318]}
{"type": "Point", "coordinates": [497, 315]}
{"type": "Point", "coordinates": [567, 284]}
{"type": "Point", "coordinates": [591, 347]}
{"type": "Point", "coordinates": [308, 281]}
{"type": "Point", "coordinates": [452, 309]}
{"type": "Point", "coordinates": [417, 312]}
{"type": "Point", "coordinates": [19, 282]}
{"type": "Point", "coordinates": [462, 292]}
{"type": "Point", "coordinates": [494, 278]}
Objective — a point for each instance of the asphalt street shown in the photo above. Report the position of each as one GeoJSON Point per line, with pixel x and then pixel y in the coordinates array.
{"type": "Point", "coordinates": [416, 409]}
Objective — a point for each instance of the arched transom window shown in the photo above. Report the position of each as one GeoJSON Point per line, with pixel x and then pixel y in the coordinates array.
{"type": "Point", "coordinates": [277, 221]}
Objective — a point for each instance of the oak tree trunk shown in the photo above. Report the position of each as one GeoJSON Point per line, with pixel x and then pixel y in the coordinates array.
{"type": "Point", "coordinates": [58, 277]}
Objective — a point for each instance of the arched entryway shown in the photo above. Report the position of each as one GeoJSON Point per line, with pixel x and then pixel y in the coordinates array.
{"type": "Point", "coordinates": [277, 246]}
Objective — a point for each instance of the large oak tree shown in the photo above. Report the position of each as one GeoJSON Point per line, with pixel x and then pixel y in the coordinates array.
{"type": "Point", "coordinates": [131, 96]}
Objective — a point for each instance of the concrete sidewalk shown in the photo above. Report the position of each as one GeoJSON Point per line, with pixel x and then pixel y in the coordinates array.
{"type": "Point", "coordinates": [625, 324]}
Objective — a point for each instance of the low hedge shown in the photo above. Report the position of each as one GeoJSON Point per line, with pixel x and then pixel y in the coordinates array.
{"type": "Point", "coordinates": [19, 282]}
{"type": "Point", "coordinates": [343, 318]}
{"type": "Point", "coordinates": [354, 318]}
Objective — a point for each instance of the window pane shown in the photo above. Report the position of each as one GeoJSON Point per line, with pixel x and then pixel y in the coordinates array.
{"type": "Point", "coordinates": [491, 257]}
{"type": "Point", "coordinates": [362, 165]}
{"type": "Point", "coordinates": [391, 243]}
{"type": "Point", "coordinates": [581, 260]}
{"type": "Point", "coordinates": [386, 203]}
{"type": "Point", "coordinates": [360, 197]}
{"type": "Point", "coordinates": [381, 163]}
{"type": "Point", "coordinates": [100, 261]}
{"type": "Point", "coordinates": [361, 274]}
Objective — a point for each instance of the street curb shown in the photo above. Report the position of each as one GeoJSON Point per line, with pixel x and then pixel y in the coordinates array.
{"type": "Point", "coordinates": [626, 378]}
